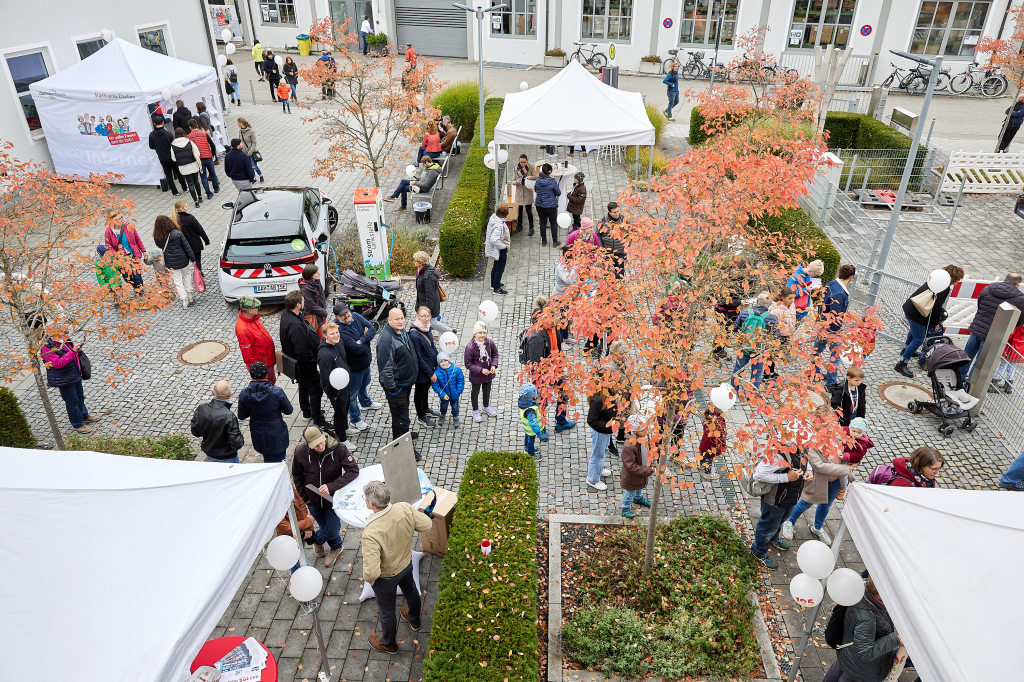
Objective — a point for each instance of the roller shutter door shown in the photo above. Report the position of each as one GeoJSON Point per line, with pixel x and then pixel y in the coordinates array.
{"type": "Point", "coordinates": [434, 27]}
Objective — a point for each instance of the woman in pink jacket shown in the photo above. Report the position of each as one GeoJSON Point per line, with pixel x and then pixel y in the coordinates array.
{"type": "Point", "coordinates": [125, 240]}
{"type": "Point", "coordinates": [584, 233]}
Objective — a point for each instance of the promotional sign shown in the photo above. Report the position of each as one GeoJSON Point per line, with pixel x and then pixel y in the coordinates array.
{"type": "Point", "coordinates": [373, 233]}
{"type": "Point", "coordinates": [222, 17]}
{"type": "Point", "coordinates": [611, 53]}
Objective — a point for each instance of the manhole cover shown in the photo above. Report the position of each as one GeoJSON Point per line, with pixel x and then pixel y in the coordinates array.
{"type": "Point", "coordinates": [202, 353]}
{"type": "Point", "coordinates": [899, 393]}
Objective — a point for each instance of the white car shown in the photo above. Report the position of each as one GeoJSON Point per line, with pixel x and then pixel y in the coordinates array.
{"type": "Point", "coordinates": [273, 234]}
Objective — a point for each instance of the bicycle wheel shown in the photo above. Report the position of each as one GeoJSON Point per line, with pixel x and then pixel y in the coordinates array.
{"type": "Point", "coordinates": [791, 75]}
{"type": "Point", "coordinates": [960, 83]}
{"type": "Point", "coordinates": [917, 85]}
{"type": "Point", "coordinates": [993, 86]}
{"type": "Point", "coordinates": [598, 60]}
{"type": "Point", "coordinates": [576, 57]}
{"type": "Point", "coordinates": [691, 71]}
{"type": "Point", "coordinates": [888, 81]}
{"type": "Point", "coordinates": [942, 81]}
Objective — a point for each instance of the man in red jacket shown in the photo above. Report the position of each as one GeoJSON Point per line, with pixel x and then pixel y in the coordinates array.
{"type": "Point", "coordinates": [253, 338]}
{"type": "Point", "coordinates": [206, 157]}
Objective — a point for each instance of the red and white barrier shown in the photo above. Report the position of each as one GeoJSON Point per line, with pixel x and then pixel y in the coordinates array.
{"type": "Point", "coordinates": [962, 305]}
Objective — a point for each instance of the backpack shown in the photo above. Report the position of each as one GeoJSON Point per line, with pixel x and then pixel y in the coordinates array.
{"type": "Point", "coordinates": [834, 627]}
{"type": "Point", "coordinates": [752, 488]}
{"type": "Point", "coordinates": [837, 395]}
{"type": "Point", "coordinates": [883, 474]}
{"type": "Point", "coordinates": [233, 77]}
{"type": "Point", "coordinates": [524, 342]}
{"type": "Point", "coordinates": [751, 326]}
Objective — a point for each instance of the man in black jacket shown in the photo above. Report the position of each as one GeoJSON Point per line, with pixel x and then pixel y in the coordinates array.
{"type": "Point", "coordinates": [321, 461]}
{"type": "Point", "coordinates": [539, 345]}
{"type": "Point", "coordinates": [356, 333]}
{"type": "Point", "coordinates": [615, 247]}
{"type": "Point", "coordinates": [160, 141]}
{"type": "Point", "coordinates": [272, 72]}
{"type": "Point", "coordinates": [217, 425]}
{"type": "Point", "coordinates": [238, 166]}
{"type": "Point", "coordinates": [989, 300]}
{"type": "Point", "coordinates": [300, 342]}
{"type": "Point", "coordinates": [329, 357]}
{"type": "Point", "coordinates": [181, 116]}
{"type": "Point", "coordinates": [397, 369]}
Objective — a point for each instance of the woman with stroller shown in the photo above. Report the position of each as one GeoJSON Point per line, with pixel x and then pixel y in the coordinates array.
{"type": "Point", "coordinates": [920, 322]}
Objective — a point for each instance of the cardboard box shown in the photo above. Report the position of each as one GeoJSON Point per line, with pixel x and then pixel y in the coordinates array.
{"type": "Point", "coordinates": [435, 540]}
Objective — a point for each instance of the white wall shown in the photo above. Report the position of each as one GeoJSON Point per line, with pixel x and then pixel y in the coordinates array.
{"type": "Point", "coordinates": [55, 25]}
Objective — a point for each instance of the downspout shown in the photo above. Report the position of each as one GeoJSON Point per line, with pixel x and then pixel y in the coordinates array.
{"type": "Point", "coordinates": [252, 21]}
{"type": "Point", "coordinates": [558, 23]}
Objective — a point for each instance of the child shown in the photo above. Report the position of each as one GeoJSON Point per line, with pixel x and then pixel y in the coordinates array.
{"type": "Point", "coordinates": [849, 398]}
{"type": "Point", "coordinates": [481, 359]}
{"type": "Point", "coordinates": [712, 442]}
{"type": "Point", "coordinates": [533, 420]}
{"type": "Point", "coordinates": [855, 452]}
{"type": "Point", "coordinates": [106, 273]}
{"type": "Point", "coordinates": [449, 385]}
{"type": "Point", "coordinates": [753, 324]}
{"type": "Point", "coordinates": [634, 475]}
{"type": "Point", "coordinates": [284, 92]}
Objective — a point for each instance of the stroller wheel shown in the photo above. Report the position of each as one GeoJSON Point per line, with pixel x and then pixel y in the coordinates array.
{"type": "Point", "coordinates": [946, 430]}
{"type": "Point", "coordinates": [913, 407]}
{"type": "Point", "coordinates": [969, 428]}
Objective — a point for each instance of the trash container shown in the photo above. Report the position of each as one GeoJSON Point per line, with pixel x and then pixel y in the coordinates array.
{"type": "Point", "coordinates": [304, 44]}
{"type": "Point", "coordinates": [422, 211]}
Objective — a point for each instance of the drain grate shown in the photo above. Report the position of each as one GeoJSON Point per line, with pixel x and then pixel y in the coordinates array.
{"type": "Point", "coordinates": [202, 353]}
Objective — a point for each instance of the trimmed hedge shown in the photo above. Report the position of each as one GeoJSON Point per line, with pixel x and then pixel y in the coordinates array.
{"type": "Point", "coordinates": [484, 622]}
{"type": "Point", "coordinates": [14, 430]}
{"type": "Point", "coordinates": [697, 134]}
{"type": "Point", "coordinates": [794, 224]}
{"type": "Point", "coordinates": [461, 101]}
{"type": "Point", "coordinates": [860, 131]}
{"type": "Point", "coordinates": [175, 446]}
{"type": "Point", "coordinates": [466, 216]}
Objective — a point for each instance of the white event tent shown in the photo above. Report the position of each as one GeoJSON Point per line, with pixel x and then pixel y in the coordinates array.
{"type": "Point", "coordinates": [118, 568]}
{"type": "Point", "coordinates": [96, 114]}
{"type": "Point", "coordinates": [946, 563]}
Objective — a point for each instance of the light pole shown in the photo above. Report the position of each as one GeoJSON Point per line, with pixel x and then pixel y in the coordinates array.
{"type": "Point", "coordinates": [480, 12]}
{"type": "Point", "coordinates": [890, 231]}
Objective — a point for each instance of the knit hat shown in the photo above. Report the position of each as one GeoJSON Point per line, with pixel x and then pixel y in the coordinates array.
{"type": "Point", "coordinates": [258, 371]}
{"type": "Point", "coordinates": [586, 222]}
{"type": "Point", "coordinates": [859, 423]}
{"type": "Point", "coordinates": [815, 268]}
{"type": "Point", "coordinates": [442, 357]}
{"type": "Point", "coordinates": [528, 391]}
{"type": "Point", "coordinates": [480, 326]}
{"type": "Point", "coordinates": [314, 436]}
{"type": "Point", "coordinates": [579, 176]}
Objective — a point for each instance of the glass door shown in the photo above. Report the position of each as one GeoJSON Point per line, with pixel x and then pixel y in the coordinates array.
{"type": "Point", "coordinates": [339, 14]}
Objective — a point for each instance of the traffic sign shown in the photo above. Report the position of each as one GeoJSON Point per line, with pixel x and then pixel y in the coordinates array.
{"type": "Point", "coordinates": [479, 16]}
{"type": "Point", "coordinates": [865, 30]}
{"type": "Point", "coordinates": [667, 23]}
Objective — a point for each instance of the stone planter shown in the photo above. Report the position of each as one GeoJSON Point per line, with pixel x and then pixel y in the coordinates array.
{"type": "Point", "coordinates": [648, 67]}
{"type": "Point", "coordinates": [557, 62]}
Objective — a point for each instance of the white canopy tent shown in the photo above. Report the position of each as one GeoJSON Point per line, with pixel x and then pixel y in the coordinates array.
{"type": "Point", "coordinates": [96, 114]}
{"type": "Point", "coordinates": [118, 568]}
{"type": "Point", "coordinates": [946, 563]}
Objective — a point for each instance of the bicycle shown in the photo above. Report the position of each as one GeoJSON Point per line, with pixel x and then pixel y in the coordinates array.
{"type": "Point", "coordinates": [696, 68]}
{"type": "Point", "coordinates": [913, 82]}
{"type": "Point", "coordinates": [991, 83]}
{"type": "Point", "coordinates": [596, 60]}
{"type": "Point", "coordinates": [672, 58]}
{"type": "Point", "coordinates": [754, 69]}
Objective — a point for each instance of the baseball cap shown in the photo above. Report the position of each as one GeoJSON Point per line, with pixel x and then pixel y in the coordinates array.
{"type": "Point", "coordinates": [314, 436]}
{"type": "Point", "coordinates": [341, 307]}
{"type": "Point", "coordinates": [249, 302]}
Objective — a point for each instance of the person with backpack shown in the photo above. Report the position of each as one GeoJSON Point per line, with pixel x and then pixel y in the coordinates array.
{"type": "Point", "coordinates": [533, 421]}
{"type": "Point", "coordinates": [753, 324]}
{"type": "Point", "coordinates": [449, 384]}
{"type": "Point", "coordinates": [917, 471]}
{"type": "Point", "coordinates": [864, 637]}
{"type": "Point", "coordinates": [186, 155]}
{"type": "Point", "coordinates": [534, 346]}
{"type": "Point", "coordinates": [833, 308]}
{"type": "Point", "coordinates": [207, 156]}
{"type": "Point", "coordinates": [671, 79]}
{"type": "Point", "coordinates": [231, 80]}
{"type": "Point", "coordinates": [786, 473]}
{"type": "Point", "coordinates": [64, 372]}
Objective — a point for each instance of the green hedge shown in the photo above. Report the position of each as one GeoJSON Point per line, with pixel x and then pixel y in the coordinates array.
{"type": "Point", "coordinates": [14, 430]}
{"type": "Point", "coordinates": [460, 101]}
{"type": "Point", "coordinates": [484, 621]}
{"type": "Point", "coordinates": [697, 134]}
{"type": "Point", "coordinates": [466, 216]}
{"type": "Point", "coordinates": [860, 131]}
{"type": "Point", "coordinates": [175, 446]}
{"type": "Point", "coordinates": [794, 224]}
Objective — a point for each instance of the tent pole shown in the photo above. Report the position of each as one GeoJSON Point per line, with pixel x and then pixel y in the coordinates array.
{"type": "Point", "coordinates": [497, 191]}
{"type": "Point", "coordinates": [650, 165]}
{"type": "Point", "coordinates": [325, 668]}
{"type": "Point", "coordinates": [809, 625]}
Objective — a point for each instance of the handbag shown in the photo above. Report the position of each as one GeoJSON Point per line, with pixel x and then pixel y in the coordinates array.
{"type": "Point", "coordinates": [753, 488]}
{"type": "Point", "coordinates": [442, 295]}
{"type": "Point", "coordinates": [85, 364]}
{"type": "Point", "coordinates": [197, 280]}
{"type": "Point", "coordinates": [924, 302]}
{"type": "Point", "coordinates": [256, 157]}
{"type": "Point", "coordinates": [1014, 351]}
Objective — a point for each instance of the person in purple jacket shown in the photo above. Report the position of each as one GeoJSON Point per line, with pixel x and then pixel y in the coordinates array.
{"type": "Point", "coordinates": [64, 372]}
{"type": "Point", "coordinates": [481, 359]}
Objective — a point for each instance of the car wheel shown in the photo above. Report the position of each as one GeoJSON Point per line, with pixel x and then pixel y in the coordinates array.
{"type": "Point", "coordinates": [332, 219]}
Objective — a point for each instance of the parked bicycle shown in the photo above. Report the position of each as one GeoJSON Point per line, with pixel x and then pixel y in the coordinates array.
{"type": "Point", "coordinates": [696, 68]}
{"type": "Point", "coordinates": [751, 69]}
{"type": "Point", "coordinates": [915, 80]}
{"type": "Point", "coordinates": [596, 60]}
{"type": "Point", "coordinates": [988, 81]}
{"type": "Point", "coordinates": [672, 58]}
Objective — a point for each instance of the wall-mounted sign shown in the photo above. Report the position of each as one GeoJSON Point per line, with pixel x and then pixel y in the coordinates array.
{"type": "Point", "coordinates": [865, 30]}
{"type": "Point", "coordinates": [265, 9]}
{"type": "Point", "coordinates": [795, 36]}
{"type": "Point", "coordinates": [970, 40]}
{"type": "Point", "coordinates": [667, 23]}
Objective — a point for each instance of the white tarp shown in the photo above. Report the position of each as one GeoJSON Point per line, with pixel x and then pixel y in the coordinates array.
{"type": "Point", "coordinates": [118, 568]}
{"type": "Point", "coordinates": [96, 114]}
{"type": "Point", "coordinates": [947, 563]}
{"type": "Point", "coordinates": [574, 108]}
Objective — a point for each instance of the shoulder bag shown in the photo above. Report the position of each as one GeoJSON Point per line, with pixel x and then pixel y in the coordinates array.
{"type": "Point", "coordinates": [256, 157]}
{"type": "Point", "coordinates": [85, 364]}
{"type": "Point", "coordinates": [924, 302]}
{"type": "Point", "coordinates": [442, 295]}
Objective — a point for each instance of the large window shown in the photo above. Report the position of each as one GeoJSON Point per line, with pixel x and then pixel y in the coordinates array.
{"type": "Point", "coordinates": [154, 39]}
{"type": "Point", "coordinates": [607, 19]}
{"type": "Point", "coordinates": [278, 12]}
{"type": "Point", "coordinates": [520, 19]}
{"type": "Point", "coordinates": [26, 69]}
{"type": "Point", "coordinates": [821, 22]}
{"type": "Point", "coordinates": [87, 48]}
{"type": "Point", "coordinates": [949, 28]}
{"type": "Point", "coordinates": [700, 21]}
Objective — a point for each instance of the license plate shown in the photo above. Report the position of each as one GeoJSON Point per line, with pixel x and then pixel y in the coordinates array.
{"type": "Point", "coordinates": [267, 288]}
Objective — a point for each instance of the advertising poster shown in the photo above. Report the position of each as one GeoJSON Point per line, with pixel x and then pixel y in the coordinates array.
{"type": "Point", "coordinates": [222, 17]}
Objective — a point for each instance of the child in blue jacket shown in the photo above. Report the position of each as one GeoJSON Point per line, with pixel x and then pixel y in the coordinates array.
{"type": "Point", "coordinates": [449, 385]}
{"type": "Point", "coordinates": [533, 420]}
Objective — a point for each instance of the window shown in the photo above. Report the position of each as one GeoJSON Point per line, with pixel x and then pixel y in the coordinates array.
{"type": "Point", "coordinates": [949, 28]}
{"type": "Point", "coordinates": [90, 47]}
{"type": "Point", "coordinates": [520, 19]}
{"type": "Point", "coordinates": [26, 69]}
{"type": "Point", "coordinates": [278, 12]}
{"type": "Point", "coordinates": [607, 19]}
{"type": "Point", "coordinates": [153, 39]}
{"type": "Point", "coordinates": [821, 22]}
{"type": "Point", "coordinates": [700, 19]}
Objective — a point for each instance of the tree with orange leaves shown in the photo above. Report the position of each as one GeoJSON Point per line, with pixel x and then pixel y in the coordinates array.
{"type": "Point", "coordinates": [1008, 55]}
{"type": "Point", "coordinates": [51, 284]}
{"type": "Point", "coordinates": [371, 112]}
{"type": "Point", "coordinates": [692, 241]}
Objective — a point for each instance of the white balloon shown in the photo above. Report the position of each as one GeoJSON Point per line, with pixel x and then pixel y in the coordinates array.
{"type": "Point", "coordinates": [410, 170]}
{"type": "Point", "coordinates": [165, 93]}
{"type": "Point", "coordinates": [278, 60]}
{"type": "Point", "coordinates": [229, 48]}
{"type": "Point", "coordinates": [339, 377]}
{"type": "Point", "coordinates": [815, 559]}
{"type": "Point", "coordinates": [805, 590]}
{"type": "Point", "coordinates": [938, 281]}
{"type": "Point", "coordinates": [107, 35]}
{"type": "Point", "coordinates": [226, 35]}
{"type": "Point", "coordinates": [724, 397]}
{"type": "Point", "coordinates": [502, 156]}
{"type": "Point", "coordinates": [488, 311]}
{"type": "Point", "coordinates": [489, 160]}
{"type": "Point", "coordinates": [524, 86]}
{"type": "Point", "coordinates": [176, 89]}
{"type": "Point", "coordinates": [564, 220]}
{"type": "Point", "coordinates": [846, 587]}
{"type": "Point", "coordinates": [222, 60]}
{"type": "Point", "coordinates": [306, 583]}
{"type": "Point", "coordinates": [490, 146]}
{"type": "Point", "coordinates": [283, 552]}
{"type": "Point", "coordinates": [449, 342]}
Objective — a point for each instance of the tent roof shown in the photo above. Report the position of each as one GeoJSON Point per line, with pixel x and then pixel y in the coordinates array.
{"type": "Point", "coordinates": [157, 550]}
{"type": "Point", "coordinates": [574, 107]}
{"type": "Point", "coordinates": [945, 562]}
{"type": "Point", "coordinates": [120, 67]}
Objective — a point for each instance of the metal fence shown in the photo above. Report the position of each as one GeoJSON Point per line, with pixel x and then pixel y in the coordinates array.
{"type": "Point", "coordinates": [883, 168]}
{"type": "Point", "coordinates": [855, 73]}
{"type": "Point", "coordinates": [851, 100]}
{"type": "Point", "coordinates": [1004, 409]}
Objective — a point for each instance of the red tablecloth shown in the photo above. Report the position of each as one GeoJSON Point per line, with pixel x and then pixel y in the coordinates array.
{"type": "Point", "coordinates": [215, 649]}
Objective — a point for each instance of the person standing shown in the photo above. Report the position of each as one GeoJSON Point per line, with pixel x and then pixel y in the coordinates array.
{"type": "Point", "coordinates": [671, 79]}
{"type": "Point", "coordinates": [238, 166]}
{"type": "Point", "coordinates": [426, 359]}
{"type": "Point", "coordinates": [989, 300]}
{"type": "Point", "coordinates": [576, 199]}
{"type": "Point", "coordinates": [428, 290]}
{"type": "Point", "coordinates": [919, 323]}
{"type": "Point", "coordinates": [265, 404]}
{"type": "Point", "coordinates": [821, 491]}
{"type": "Point", "coordinates": [833, 308]}
{"type": "Point", "coordinates": [523, 195]}
{"type": "Point", "coordinates": [331, 356]}
{"type": "Point", "coordinates": [869, 641]}
{"type": "Point", "coordinates": [314, 297]}
{"type": "Point", "coordinates": [496, 247]}
{"type": "Point", "coordinates": [448, 385]}
{"type": "Point", "coordinates": [481, 359]}
{"type": "Point", "coordinates": [182, 115]}
{"type": "Point", "coordinates": [231, 80]}
{"type": "Point", "coordinates": [272, 72]}
{"type": "Point", "coordinates": [387, 561]}
{"type": "Point", "coordinates": [397, 369]}
{"type": "Point", "coordinates": [126, 240]}
{"type": "Point", "coordinates": [257, 58]}
{"type": "Point", "coordinates": [410, 57]}
{"type": "Point", "coordinates": [1016, 114]}
{"type": "Point", "coordinates": [300, 342]}
{"type": "Point", "coordinates": [160, 141]}
{"type": "Point", "coordinates": [217, 425]}
{"type": "Point", "coordinates": [193, 232]}
{"type": "Point", "coordinates": [787, 472]}
{"type": "Point", "coordinates": [546, 194]}
{"type": "Point", "coordinates": [64, 372]}
{"type": "Point", "coordinates": [248, 135]}
{"type": "Point", "coordinates": [356, 334]}
{"type": "Point", "coordinates": [633, 477]}
{"type": "Point", "coordinates": [327, 86]}
{"type": "Point", "coordinates": [283, 95]}
{"type": "Point", "coordinates": [186, 155]}
{"type": "Point", "coordinates": [602, 411]}
{"type": "Point", "coordinates": [365, 29]}
{"type": "Point", "coordinates": [615, 247]}
{"type": "Point", "coordinates": [321, 461]}
{"type": "Point", "coordinates": [801, 284]}
{"type": "Point", "coordinates": [291, 77]}
{"type": "Point", "coordinates": [541, 344]}
{"type": "Point", "coordinates": [254, 340]}
{"type": "Point", "coordinates": [207, 156]}
{"type": "Point", "coordinates": [178, 257]}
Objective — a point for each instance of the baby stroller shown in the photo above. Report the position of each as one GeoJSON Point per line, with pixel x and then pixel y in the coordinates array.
{"type": "Point", "coordinates": [943, 361]}
{"type": "Point", "coordinates": [369, 297]}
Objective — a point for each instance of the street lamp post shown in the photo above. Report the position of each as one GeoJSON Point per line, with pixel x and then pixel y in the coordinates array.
{"type": "Point", "coordinates": [480, 12]}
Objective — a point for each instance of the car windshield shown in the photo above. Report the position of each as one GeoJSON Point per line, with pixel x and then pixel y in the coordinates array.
{"type": "Point", "coordinates": [285, 247]}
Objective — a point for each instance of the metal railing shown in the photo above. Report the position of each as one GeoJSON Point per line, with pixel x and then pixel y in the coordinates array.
{"type": "Point", "coordinates": [1004, 409]}
{"type": "Point", "coordinates": [883, 168]}
{"type": "Point", "coordinates": [852, 100]}
{"type": "Point", "coordinates": [856, 72]}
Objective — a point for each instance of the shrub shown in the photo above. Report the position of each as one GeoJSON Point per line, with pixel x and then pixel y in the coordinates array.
{"type": "Point", "coordinates": [555, 52]}
{"type": "Point", "coordinates": [461, 102]}
{"type": "Point", "coordinates": [651, 59]}
{"type": "Point", "coordinates": [657, 120]}
{"type": "Point", "coordinates": [806, 241]}
{"type": "Point", "coordinates": [842, 129]}
{"type": "Point", "coordinates": [483, 627]}
{"type": "Point", "coordinates": [466, 216]}
{"type": "Point", "coordinates": [661, 161]}
{"type": "Point", "coordinates": [174, 446]}
{"type": "Point", "coordinates": [407, 241]}
{"type": "Point", "coordinates": [860, 131]}
{"type": "Point", "coordinates": [697, 134]}
{"type": "Point", "coordinates": [14, 430]}
{"type": "Point", "coordinates": [376, 38]}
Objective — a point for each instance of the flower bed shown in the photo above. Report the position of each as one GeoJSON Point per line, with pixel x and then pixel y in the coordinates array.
{"type": "Point", "coordinates": [175, 446]}
{"type": "Point", "coordinates": [484, 626]}
{"type": "Point", "coordinates": [691, 617]}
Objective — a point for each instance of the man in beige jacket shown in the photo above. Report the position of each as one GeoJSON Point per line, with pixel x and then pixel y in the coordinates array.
{"type": "Point", "coordinates": [387, 560]}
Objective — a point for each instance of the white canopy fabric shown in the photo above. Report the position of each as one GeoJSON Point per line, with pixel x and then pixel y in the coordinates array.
{"type": "Point", "coordinates": [118, 568]}
{"type": "Point", "coordinates": [574, 108]}
{"type": "Point", "coordinates": [118, 86]}
{"type": "Point", "coordinates": [947, 564]}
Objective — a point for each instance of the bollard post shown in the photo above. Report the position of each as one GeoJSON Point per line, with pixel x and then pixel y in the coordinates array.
{"type": "Point", "coordinates": [956, 204]}
{"type": "Point", "coordinates": [253, 91]}
{"type": "Point", "coordinates": [987, 361]}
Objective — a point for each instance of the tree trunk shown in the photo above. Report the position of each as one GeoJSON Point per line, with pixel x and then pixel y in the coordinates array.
{"type": "Point", "coordinates": [652, 523]}
{"type": "Point", "coordinates": [37, 374]}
